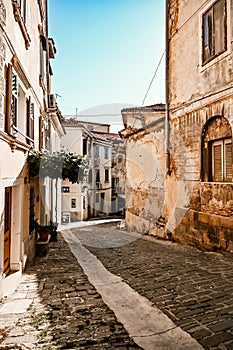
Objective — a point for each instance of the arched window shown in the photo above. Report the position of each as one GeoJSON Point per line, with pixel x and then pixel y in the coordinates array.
{"type": "Point", "coordinates": [217, 150]}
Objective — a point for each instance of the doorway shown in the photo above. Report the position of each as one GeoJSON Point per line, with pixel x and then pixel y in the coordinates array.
{"type": "Point", "coordinates": [7, 229]}
{"type": "Point", "coordinates": [102, 196]}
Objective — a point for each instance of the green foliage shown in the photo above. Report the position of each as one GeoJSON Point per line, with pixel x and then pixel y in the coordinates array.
{"type": "Point", "coordinates": [63, 164]}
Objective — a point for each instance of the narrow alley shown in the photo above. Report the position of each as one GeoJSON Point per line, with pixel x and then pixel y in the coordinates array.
{"type": "Point", "coordinates": [120, 290]}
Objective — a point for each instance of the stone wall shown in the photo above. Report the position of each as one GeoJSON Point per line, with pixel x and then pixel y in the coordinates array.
{"type": "Point", "coordinates": [198, 211]}
{"type": "Point", "coordinates": [145, 168]}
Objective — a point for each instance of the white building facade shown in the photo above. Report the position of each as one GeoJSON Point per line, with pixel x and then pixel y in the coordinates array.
{"type": "Point", "coordinates": [92, 198]}
{"type": "Point", "coordinates": [25, 125]}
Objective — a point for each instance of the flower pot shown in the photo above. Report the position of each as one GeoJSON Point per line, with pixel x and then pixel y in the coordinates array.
{"type": "Point", "coordinates": [44, 235]}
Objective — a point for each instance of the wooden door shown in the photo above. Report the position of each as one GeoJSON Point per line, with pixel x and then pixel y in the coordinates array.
{"type": "Point", "coordinates": [7, 230]}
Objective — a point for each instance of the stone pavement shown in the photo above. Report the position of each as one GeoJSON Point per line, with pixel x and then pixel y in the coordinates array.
{"type": "Point", "coordinates": [55, 307]}
{"type": "Point", "coordinates": [193, 288]}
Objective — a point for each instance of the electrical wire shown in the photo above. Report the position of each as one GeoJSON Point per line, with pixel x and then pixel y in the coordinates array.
{"type": "Point", "coordinates": [156, 70]}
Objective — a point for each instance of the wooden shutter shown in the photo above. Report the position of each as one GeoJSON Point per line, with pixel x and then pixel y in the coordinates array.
{"type": "Point", "coordinates": [24, 10]}
{"type": "Point", "coordinates": [14, 99]}
{"type": "Point", "coordinates": [32, 121]}
{"type": "Point", "coordinates": [228, 161]}
{"type": "Point", "coordinates": [28, 117]}
{"type": "Point", "coordinates": [40, 133]}
{"type": "Point", "coordinates": [219, 27]}
{"type": "Point", "coordinates": [217, 168]}
{"type": "Point", "coordinates": [8, 99]}
{"type": "Point", "coordinates": [207, 35]}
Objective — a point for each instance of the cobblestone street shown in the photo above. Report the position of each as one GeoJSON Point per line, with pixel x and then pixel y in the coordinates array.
{"type": "Point", "coordinates": [194, 288]}
{"type": "Point", "coordinates": [64, 309]}
{"type": "Point", "coordinates": [56, 306]}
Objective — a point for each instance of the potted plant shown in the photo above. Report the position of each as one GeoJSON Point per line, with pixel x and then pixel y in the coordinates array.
{"type": "Point", "coordinates": [53, 231]}
{"type": "Point", "coordinates": [43, 231]}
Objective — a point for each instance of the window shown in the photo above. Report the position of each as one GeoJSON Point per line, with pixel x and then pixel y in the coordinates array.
{"type": "Point", "coordinates": [73, 202]}
{"type": "Point", "coordinates": [216, 162]}
{"type": "Point", "coordinates": [105, 152]}
{"type": "Point", "coordinates": [90, 176]}
{"type": "Point", "coordinates": [97, 198]}
{"type": "Point", "coordinates": [97, 152]}
{"type": "Point", "coordinates": [214, 31]}
{"type": "Point", "coordinates": [43, 48]}
{"type": "Point", "coordinates": [65, 189]}
{"type": "Point", "coordinates": [30, 121]}
{"type": "Point", "coordinates": [222, 160]}
{"type": "Point", "coordinates": [106, 171]}
{"type": "Point", "coordinates": [11, 100]}
{"type": "Point", "coordinates": [97, 175]}
{"type": "Point", "coordinates": [84, 147]}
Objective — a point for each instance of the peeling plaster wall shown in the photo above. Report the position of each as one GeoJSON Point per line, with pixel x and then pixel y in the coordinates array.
{"type": "Point", "coordinates": [197, 212]}
{"type": "Point", "coordinates": [145, 169]}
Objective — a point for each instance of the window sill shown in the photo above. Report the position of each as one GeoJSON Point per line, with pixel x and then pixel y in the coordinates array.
{"type": "Point", "coordinates": [13, 142]}
{"type": "Point", "coordinates": [216, 183]}
{"type": "Point", "coordinates": [213, 61]}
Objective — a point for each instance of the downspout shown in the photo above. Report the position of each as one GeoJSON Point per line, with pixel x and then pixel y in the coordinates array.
{"type": "Point", "coordinates": [167, 120]}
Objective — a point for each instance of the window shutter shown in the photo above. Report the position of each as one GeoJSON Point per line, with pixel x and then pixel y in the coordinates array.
{"type": "Point", "coordinates": [8, 99]}
{"type": "Point", "coordinates": [228, 162]}
{"type": "Point", "coordinates": [219, 27]}
{"type": "Point", "coordinates": [40, 133]}
{"type": "Point", "coordinates": [14, 99]}
{"type": "Point", "coordinates": [32, 121]}
{"type": "Point", "coordinates": [217, 163]}
{"type": "Point", "coordinates": [24, 10]}
{"type": "Point", "coordinates": [28, 118]}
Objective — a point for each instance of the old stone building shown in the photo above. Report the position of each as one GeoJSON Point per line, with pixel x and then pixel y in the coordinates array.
{"type": "Point", "coordinates": [179, 163]}
{"type": "Point", "coordinates": [199, 66]}
{"type": "Point", "coordinates": [29, 120]}
{"type": "Point", "coordinates": [144, 134]}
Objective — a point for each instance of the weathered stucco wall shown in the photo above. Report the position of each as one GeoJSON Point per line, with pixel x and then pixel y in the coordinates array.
{"type": "Point", "coordinates": [197, 210]}
{"type": "Point", "coordinates": [145, 169]}
{"type": "Point", "coordinates": [189, 78]}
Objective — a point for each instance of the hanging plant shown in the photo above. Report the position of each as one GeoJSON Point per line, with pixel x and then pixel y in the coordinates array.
{"type": "Point", "coordinates": [63, 164]}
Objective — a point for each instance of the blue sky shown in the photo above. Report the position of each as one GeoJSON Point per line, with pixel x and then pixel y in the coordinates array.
{"type": "Point", "coordinates": [107, 52]}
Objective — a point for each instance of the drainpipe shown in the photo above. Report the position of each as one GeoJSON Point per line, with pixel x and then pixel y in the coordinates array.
{"type": "Point", "coordinates": [167, 123]}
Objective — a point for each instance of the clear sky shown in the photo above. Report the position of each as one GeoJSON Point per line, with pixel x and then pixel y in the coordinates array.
{"type": "Point", "coordinates": [107, 52]}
